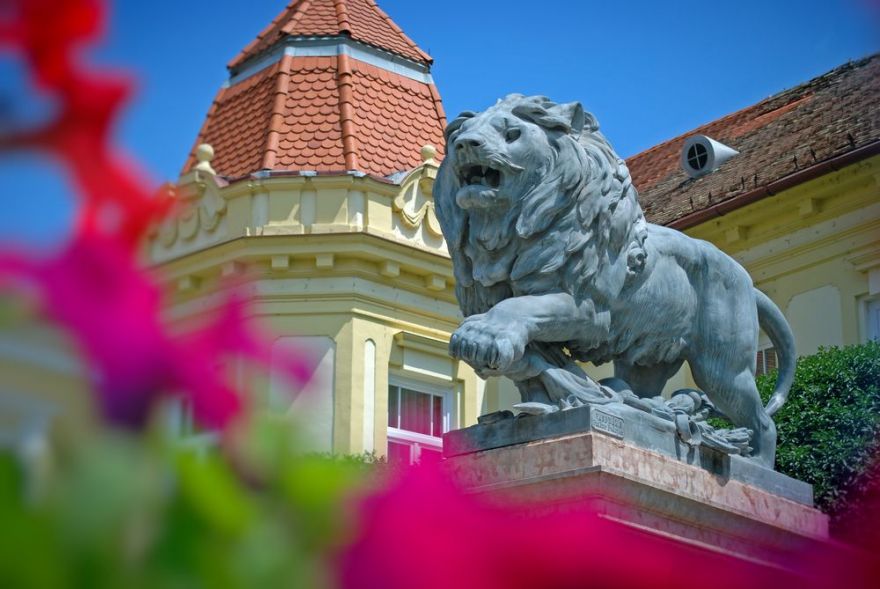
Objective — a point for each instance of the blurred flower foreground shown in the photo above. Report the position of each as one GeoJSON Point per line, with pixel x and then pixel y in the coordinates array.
{"type": "Point", "coordinates": [126, 507]}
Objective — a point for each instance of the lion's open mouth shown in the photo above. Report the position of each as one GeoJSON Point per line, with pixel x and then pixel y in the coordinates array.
{"type": "Point", "coordinates": [477, 175]}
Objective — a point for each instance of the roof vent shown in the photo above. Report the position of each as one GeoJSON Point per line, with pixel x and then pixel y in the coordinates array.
{"type": "Point", "coordinates": [702, 155]}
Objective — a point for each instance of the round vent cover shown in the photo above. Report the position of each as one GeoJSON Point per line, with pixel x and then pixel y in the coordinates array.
{"type": "Point", "coordinates": [702, 155]}
{"type": "Point", "coordinates": [697, 156]}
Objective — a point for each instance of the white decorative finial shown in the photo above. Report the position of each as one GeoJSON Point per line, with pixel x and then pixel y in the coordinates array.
{"type": "Point", "coordinates": [428, 152]}
{"type": "Point", "coordinates": [204, 155]}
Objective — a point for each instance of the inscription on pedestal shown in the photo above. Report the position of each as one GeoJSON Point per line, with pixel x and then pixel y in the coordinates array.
{"type": "Point", "coordinates": [607, 423]}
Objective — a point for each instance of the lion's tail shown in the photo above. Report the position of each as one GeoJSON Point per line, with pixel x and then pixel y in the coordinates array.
{"type": "Point", "coordinates": [773, 323]}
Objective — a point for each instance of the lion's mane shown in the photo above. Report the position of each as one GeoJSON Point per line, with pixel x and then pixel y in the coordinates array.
{"type": "Point", "coordinates": [577, 226]}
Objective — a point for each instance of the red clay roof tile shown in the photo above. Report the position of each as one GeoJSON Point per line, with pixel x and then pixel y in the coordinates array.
{"type": "Point", "coordinates": [362, 20]}
{"type": "Point", "coordinates": [328, 113]}
{"type": "Point", "coordinates": [829, 116]}
{"type": "Point", "coordinates": [386, 120]}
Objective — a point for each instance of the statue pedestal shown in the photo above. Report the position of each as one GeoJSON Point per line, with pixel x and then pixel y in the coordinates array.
{"type": "Point", "coordinates": [643, 488]}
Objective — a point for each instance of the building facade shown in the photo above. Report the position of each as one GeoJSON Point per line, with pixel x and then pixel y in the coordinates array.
{"type": "Point", "coordinates": [312, 176]}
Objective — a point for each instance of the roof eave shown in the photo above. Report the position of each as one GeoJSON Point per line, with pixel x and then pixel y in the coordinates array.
{"type": "Point", "coordinates": [833, 164]}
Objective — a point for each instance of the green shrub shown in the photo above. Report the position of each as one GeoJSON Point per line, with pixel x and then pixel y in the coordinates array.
{"type": "Point", "coordinates": [135, 511]}
{"type": "Point", "coordinates": [828, 429]}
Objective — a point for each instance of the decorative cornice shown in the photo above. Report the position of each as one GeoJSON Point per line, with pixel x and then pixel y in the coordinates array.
{"type": "Point", "coordinates": [200, 204]}
{"type": "Point", "coordinates": [420, 343]}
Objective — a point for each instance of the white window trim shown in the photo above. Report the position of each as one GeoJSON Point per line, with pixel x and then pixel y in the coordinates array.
{"type": "Point", "coordinates": [408, 436]}
{"type": "Point", "coordinates": [761, 370]}
{"type": "Point", "coordinates": [416, 440]}
{"type": "Point", "coordinates": [865, 318]}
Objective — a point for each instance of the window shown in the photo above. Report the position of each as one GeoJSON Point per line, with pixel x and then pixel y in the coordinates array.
{"type": "Point", "coordinates": [872, 319]}
{"type": "Point", "coordinates": [766, 361]}
{"type": "Point", "coordinates": [417, 418]}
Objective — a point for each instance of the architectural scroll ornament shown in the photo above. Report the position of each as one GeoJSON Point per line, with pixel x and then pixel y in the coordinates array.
{"type": "Point", "coordinates": [555, 263]}
{"type": "Point", "coordinates": [201, 206]}
{"type": "Point", "coordinates": [415, 210]}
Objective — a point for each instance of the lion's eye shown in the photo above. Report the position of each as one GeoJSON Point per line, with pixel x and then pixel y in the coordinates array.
{"type": "Point", "coordinates": [512, 134]}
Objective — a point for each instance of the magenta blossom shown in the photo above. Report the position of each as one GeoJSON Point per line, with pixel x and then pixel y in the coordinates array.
{"type": "Point", "coordinates": [422, 531]}
{"type": "Point", "coordinates": [112, 308]}
{"type": "Point", "coordinates": [94, 287]}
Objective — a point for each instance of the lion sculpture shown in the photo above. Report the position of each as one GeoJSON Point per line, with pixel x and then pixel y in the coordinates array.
{"type": "Point", "coordinates": [554, 262]}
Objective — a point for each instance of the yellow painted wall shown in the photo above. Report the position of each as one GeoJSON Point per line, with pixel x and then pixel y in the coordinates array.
{"type": "Point", "coordinates": [349, 258]}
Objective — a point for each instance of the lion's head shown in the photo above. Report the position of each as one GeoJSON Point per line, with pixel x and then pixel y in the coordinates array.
{"type": "Point", "coordinates": [531, 196]}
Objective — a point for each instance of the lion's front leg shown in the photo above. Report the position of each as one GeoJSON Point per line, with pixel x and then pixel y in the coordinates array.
{"type": "Point", "coordinates": [490, 341]}
{"type": "Point", "coordinates": [496, 341]}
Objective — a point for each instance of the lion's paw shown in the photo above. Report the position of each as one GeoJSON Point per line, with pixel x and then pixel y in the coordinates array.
{"type": "Point", "coordinates": [487, 343]}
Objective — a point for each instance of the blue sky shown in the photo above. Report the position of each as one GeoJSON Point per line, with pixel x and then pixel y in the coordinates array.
{"type": "Point", "coordinates": [648, 70]}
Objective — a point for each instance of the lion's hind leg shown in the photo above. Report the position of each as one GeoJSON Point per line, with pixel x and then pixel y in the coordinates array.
{"type": "Point", "coordinates": [736, 396]}
{"type": "Point", "coordinates": [532, 390]}
{"type": "Point", "coordinates": [646, 381]}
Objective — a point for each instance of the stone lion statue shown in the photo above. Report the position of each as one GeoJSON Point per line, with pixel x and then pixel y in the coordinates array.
{"type": "Point", "coordinates": [555, 263]}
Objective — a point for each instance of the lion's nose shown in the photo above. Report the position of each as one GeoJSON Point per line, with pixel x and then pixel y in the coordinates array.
{"type": "Point", "coordinates": [468, 141]}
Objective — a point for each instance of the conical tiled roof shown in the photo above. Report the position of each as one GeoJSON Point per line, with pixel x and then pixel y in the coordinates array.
{"type": "Point", "coordinates": [362, 20]}
{"type": "Point", "coordinates": [329, 86]}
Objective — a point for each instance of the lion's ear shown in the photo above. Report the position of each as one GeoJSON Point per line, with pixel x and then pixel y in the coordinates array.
{"type": "Point", "coordinates": [590, 122]}
{"type": "Point", "coordinates": [572, 117]}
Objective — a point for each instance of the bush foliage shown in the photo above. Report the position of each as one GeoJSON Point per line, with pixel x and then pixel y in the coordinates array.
{"type": "Point", "coordinates": [122, 510]}
{"type": "Point", "coordinates": [828, 429]}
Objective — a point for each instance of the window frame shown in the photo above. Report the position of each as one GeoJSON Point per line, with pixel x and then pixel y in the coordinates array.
{"type": "Point", "coordinates": [867, 304]}
{"type": "Point", "coordinates": [417, 440]}
{"type": "Point", "coordinates": [762, 351]}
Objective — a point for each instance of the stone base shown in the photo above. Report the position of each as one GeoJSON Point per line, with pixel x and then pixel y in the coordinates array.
{"type": "Point", "coordinates": [631, 425]}
{"type": "Point", "coordinates": [643, 488]}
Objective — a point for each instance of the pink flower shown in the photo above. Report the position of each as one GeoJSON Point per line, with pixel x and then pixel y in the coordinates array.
{"type": "Point", "coordinates": [113, 310]}
{"type": "Point", "coordinates": [424, 532]}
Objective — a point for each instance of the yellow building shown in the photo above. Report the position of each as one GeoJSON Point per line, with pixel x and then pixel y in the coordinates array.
{"type": "Point", "coordinates": [312, 178]}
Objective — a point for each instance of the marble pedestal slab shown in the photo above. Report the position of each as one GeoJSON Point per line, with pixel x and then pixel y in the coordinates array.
{"type": "Point", "coordinates": [643, 488]}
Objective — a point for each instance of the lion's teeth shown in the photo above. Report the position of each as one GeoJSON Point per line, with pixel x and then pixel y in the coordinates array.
{"type": "Point", "coordinates": [484, 170]}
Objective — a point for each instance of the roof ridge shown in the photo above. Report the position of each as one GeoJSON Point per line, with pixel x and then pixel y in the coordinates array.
{"type": "Point", "coordinates": [191, 156]}
{"type": "Point", "coordinates": [273, 25]}
{"type": "Point", "coordinates": [346, 112]}
{"type": "Point", "coordinates": [276, 116]}
{"type": "Point", "coordinates": [342, 16]}
{"type": "Point", "coordinates": [399, 31]}
{"type": "Point", "coordinates": [297, 15]}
